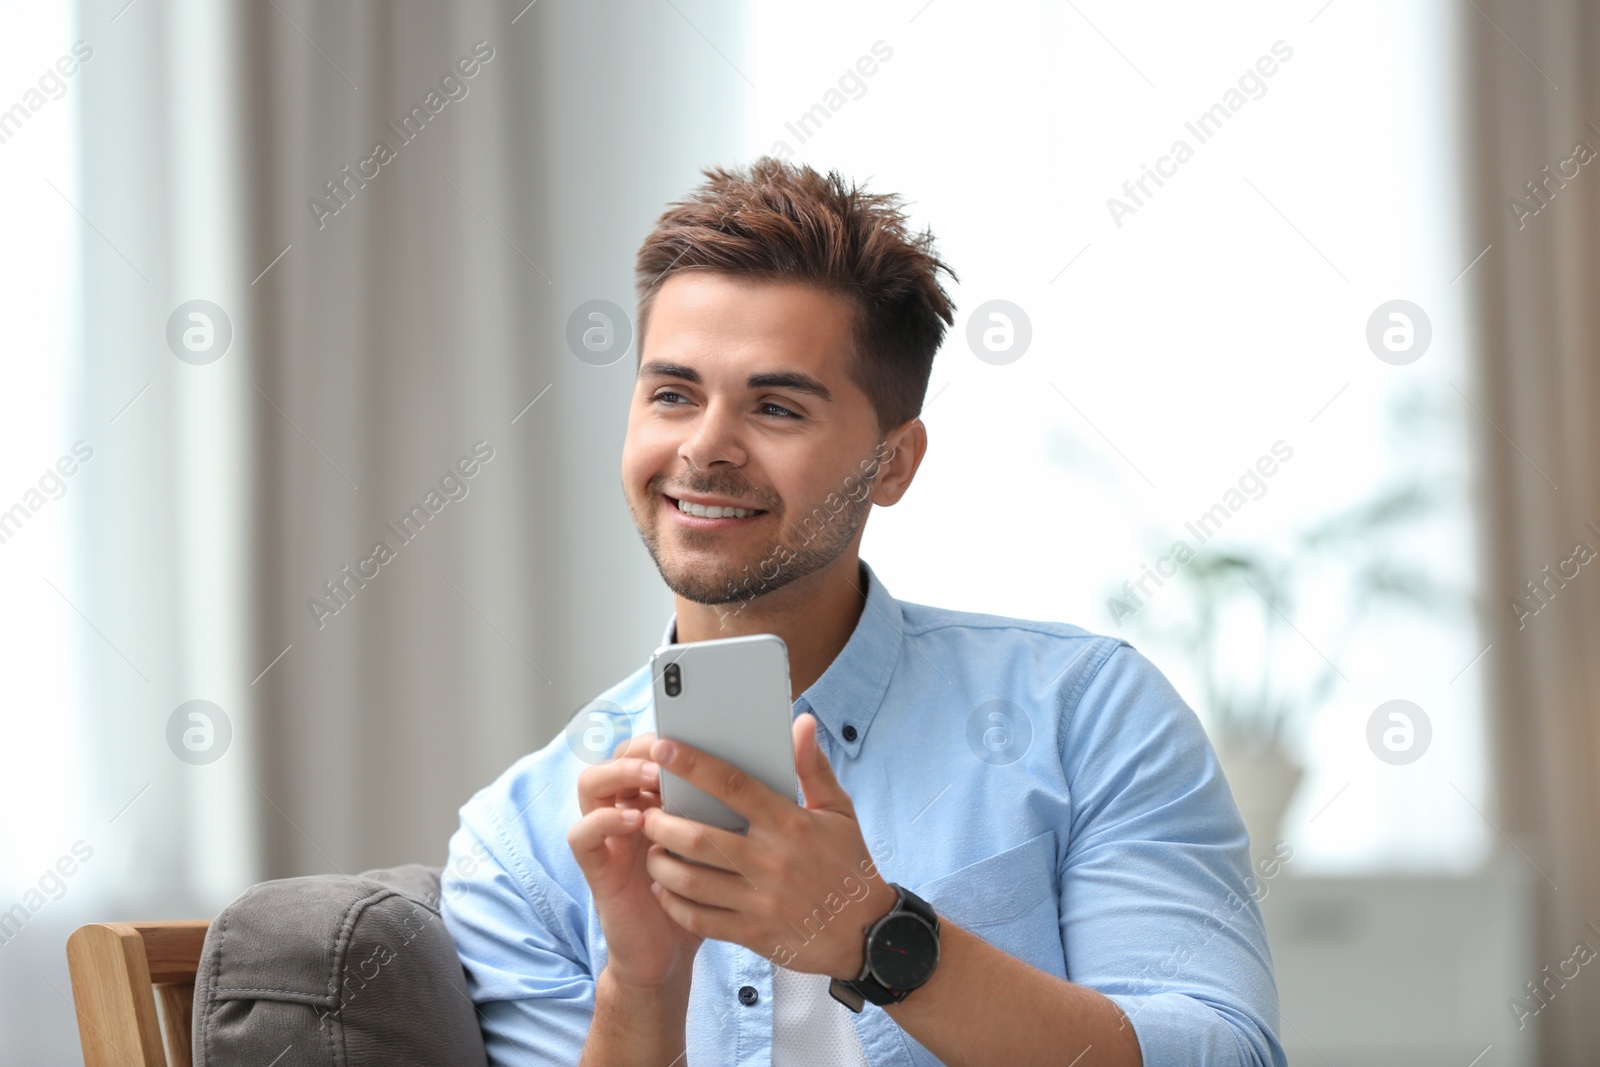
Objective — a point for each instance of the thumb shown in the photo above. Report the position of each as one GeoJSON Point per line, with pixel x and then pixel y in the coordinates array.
{"type": "Point", "coordinates": [817, 780]}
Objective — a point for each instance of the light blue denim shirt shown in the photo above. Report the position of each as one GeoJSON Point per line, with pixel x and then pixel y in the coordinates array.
{"type": "Point", "coordinates": [1041, 786]}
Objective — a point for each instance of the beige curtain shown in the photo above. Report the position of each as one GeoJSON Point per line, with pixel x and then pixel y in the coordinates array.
{"type": "Point", "coordinates": [419, 308]}
{"type": "Point", "coordinates": [372, 347]}
{"type": "Point", "coordinates": [1531, 104]}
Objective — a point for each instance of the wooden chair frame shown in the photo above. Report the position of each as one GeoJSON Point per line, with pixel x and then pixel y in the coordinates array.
{"type": "Point", "coordinates": [120, 971]}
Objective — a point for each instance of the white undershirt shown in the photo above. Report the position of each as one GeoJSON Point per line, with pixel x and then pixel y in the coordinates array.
{"type": "Point", "coordinates": [809, 1027]}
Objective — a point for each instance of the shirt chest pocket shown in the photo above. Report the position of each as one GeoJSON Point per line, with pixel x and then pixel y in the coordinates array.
{"type": "Point", "coordinates": [1010, 899]}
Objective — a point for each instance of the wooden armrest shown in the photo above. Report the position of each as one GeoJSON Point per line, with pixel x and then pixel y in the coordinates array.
{"type": "Point", "coordinates": [117, 971]}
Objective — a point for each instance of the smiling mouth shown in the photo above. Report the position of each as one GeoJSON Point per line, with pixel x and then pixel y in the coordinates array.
{"type": "Point", "coordinates": [714, 511]}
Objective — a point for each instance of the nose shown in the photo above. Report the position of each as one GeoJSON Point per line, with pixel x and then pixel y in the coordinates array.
{"type": "Point", "coordinates": [713, 438]}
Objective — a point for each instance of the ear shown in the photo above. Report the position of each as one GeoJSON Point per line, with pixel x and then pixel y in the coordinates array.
{"type": "Point", "coordinates": [899, 457]}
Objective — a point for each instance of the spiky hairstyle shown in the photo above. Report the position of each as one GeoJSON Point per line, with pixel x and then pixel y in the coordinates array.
{"type": "Point", "coordinates": [779, 221]}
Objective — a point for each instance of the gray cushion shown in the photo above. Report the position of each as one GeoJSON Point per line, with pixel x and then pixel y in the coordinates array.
{"type": "Point", "coordinates": [335, 971]}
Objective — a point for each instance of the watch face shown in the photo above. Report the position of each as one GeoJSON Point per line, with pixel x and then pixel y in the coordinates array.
{"type": "Point", "coordinates": [904, 951]}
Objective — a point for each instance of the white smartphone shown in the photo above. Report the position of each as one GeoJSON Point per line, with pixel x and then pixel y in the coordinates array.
{"type": "Point", "coordinates": [728, 697]}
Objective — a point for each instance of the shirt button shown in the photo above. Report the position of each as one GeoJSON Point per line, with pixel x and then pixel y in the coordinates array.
{"type": "Point", "coordinates": [849, 732]}
{"type": "Point", "coordinates": [748, 995]}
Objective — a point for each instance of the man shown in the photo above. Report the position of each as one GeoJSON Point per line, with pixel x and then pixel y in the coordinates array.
{"type": "Point", "coordinates": [1056, 872]}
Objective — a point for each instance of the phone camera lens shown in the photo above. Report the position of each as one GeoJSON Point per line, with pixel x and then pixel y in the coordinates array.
{"type": "Point", "coordinates": [673, 679]}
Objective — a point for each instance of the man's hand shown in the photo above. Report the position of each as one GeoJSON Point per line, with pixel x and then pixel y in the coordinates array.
{"type": "Point", "coordinates": [799, 887]}
{"type": "Point", "coordinates": [647, 949]}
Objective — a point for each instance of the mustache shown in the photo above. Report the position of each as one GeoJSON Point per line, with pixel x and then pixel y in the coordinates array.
{"type": "Point", "coordinates": [740, 489]}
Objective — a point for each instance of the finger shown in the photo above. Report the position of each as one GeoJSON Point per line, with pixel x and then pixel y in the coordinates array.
{"type": "Point", "coordinates": [701, 885]}
{"type": "Point", "coordinates": [744, 794]}
{"type": "Point", "coordinates": [619, 779]}
{"type": "Point", "coordinates": [644, 800]}
{"type": "Point", "coordinates": [710, 845]}
{"type": "Point", "coordinates": [817, 780]}
{"type": "Point", "coordinates": [699, 919]}
{"type": "Point", "coordinates": [637, 745]}
{"type": "Point", "coordinates": [588, 836]}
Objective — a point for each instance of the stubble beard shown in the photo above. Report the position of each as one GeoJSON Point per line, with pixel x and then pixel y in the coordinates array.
{"type": "Point", "coordinates": [790, 555]}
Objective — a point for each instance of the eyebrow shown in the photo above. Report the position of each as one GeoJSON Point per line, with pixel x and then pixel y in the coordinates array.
{"type": "Point", "coordinates": [795, 380]}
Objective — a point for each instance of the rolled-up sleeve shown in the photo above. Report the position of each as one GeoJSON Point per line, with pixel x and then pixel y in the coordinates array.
{"type": "Point", "coordinates": [1159, 906]}
{"type": "Point", "coordinates": [525, 961]}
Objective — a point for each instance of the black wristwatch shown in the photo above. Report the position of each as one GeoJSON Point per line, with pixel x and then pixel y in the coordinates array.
{"type": "Point", "coordinates": [902, 950]}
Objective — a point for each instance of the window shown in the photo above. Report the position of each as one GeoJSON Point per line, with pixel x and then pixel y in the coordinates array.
{"type": "Point", "coordinates": [1189, 311]}
{"type": "Point", "coordinates": [39, 763]}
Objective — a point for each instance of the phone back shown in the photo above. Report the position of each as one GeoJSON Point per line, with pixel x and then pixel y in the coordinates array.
{"type": "Point", "coordinates": [732, 701]}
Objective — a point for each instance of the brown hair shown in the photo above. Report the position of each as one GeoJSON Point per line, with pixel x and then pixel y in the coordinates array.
{"type": "Point", "coordinates": [780, 221]}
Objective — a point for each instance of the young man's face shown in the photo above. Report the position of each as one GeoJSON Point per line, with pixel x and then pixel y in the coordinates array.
{"type": "Point", "coordinates": [743, 399]}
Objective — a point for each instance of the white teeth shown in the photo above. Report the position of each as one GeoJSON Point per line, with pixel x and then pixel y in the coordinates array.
{"type": "Point", "coordinates": [713, 512]}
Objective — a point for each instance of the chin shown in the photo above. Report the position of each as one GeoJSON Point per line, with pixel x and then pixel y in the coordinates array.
{"type": "Point", "coordinates": [698, 587]}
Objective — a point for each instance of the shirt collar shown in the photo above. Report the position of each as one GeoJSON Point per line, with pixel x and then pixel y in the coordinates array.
{"type": "Point", "coordinates": [851, 690]}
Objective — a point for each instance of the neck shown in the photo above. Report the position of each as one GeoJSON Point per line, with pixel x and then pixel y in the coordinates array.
{"type": "Point", "coordinates": [814, 616]}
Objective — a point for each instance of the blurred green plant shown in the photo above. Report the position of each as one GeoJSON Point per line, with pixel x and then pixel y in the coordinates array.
{"type": "Point", "coordinates": [1359, 544]}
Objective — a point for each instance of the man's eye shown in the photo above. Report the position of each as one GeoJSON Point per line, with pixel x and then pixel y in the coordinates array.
{"type": "Point", "coordinates": [666, 396]}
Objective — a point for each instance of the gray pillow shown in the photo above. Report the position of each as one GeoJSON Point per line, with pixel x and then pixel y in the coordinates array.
{"type": "Point", "coordinates": [335, 971]}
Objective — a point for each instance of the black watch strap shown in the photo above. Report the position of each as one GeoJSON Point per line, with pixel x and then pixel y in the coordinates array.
{"type": "Point", "coordinates": [854, 993]}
